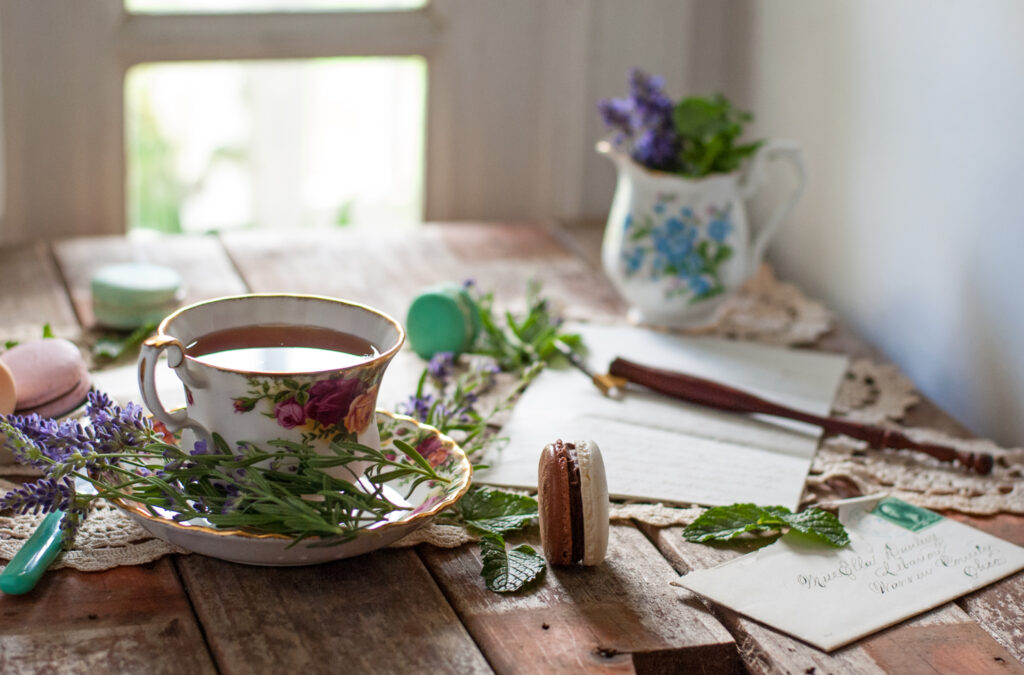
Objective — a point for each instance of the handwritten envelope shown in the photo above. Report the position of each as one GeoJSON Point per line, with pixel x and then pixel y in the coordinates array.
{"type": "Point", "coordinates": [902, 560]}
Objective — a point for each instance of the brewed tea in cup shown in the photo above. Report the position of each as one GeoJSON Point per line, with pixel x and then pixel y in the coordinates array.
{"type": "Point", "coordinates": [261, 368]}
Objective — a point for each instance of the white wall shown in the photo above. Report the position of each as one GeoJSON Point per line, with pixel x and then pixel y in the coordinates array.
{"type": "Point", "coordinates": [912, 225]}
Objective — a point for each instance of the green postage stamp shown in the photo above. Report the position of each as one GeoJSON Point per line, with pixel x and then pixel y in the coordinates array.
{"type": "Point", "coordinates": [907, 516]}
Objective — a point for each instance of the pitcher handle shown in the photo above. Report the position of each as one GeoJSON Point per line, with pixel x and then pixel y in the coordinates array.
{"type": "Point", "coordinates": [148, 356]}
{"type": "Point", "coordinates": [770, 151]}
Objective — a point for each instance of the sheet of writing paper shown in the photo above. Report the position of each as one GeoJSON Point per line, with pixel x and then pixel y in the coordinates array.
{"type": "Point", "coordinates": [661, 449]}
{"type": "Point", "coordinates": [902, 560]}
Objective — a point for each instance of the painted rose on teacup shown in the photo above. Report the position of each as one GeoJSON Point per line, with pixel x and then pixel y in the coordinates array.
{"type": "Point", "coordinates": [267, 368]}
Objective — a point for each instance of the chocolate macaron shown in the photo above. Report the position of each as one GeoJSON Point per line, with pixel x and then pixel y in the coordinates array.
{"type": "Point", "coordinates": [50, 375]}
{"type": "Point", "coordinates": [573, 502]}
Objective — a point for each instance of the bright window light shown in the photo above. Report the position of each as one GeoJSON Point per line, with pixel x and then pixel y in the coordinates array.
{"type": "Point", "coordinates": [275, 144]}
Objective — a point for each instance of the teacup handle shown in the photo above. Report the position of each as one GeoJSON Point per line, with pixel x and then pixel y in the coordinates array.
{"type": "Point", "coordinates": [148, 356]}
{"type": "Point", "coordinates": [770, 151]}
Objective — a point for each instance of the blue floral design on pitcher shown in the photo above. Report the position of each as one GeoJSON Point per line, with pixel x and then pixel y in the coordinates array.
{"type": "Point", "coordinates": [678, 246]}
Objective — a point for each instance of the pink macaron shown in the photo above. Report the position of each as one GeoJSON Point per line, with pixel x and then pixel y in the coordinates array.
{"type": "Point", "coordinates": [50, 376]}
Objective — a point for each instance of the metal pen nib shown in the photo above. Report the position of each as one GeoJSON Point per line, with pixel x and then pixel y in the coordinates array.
{"type": "Point", "coordinates": [610, 385]}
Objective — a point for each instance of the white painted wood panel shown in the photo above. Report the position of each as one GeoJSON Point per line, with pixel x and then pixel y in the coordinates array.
{"type": "Point", "coordinates": [511, 118]}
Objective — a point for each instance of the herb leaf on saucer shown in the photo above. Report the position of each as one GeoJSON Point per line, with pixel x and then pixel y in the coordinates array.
{"type": "Point", "coordinates": [507, 571]}
{"type": "Point", "coordinates": [723, 523]}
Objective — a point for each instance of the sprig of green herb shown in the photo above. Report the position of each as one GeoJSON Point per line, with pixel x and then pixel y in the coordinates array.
{"type": "Point", "coordinates": [723, 523]}
{"type": "Point", "coordinates": [509, 570]}
{"type": "Point", "coordinates": [709, 128]}
{"type": "Point", "coordinates": [508, 343]}
{"type": "Point", "coordinates": [487, 510]}
{"type": "Point", "coordinates": [517, 343]}
{"type": "Point", "coordinates": [283, 489]}
{"type": "Point", "coordinates": [113, 346]}
{"type": "Point", "coordinates": [47, 332]}
{"type": "Point", "coordinates": [493, 513]}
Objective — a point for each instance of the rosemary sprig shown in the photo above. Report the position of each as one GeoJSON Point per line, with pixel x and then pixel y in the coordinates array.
{"type": "Point", "coordinates": [284, 489]}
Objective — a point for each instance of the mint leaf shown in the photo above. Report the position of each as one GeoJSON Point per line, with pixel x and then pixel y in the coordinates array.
{"type": "Point", "coordinates": [507, 571]}
{"type": "Point", "coordinates": [722, 523]}
{"type": "Point", "coordinates": [495, 511]}
{"type": "Point", "coordinates": [47, 331]}
{"type": "Point", "coordinates": [820, 525]}
{"type": "Point", "coordinates": [10, 343]}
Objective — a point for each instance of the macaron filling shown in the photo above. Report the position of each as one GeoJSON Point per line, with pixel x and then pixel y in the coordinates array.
{"type": "Point", "coordinates": [568, 450]}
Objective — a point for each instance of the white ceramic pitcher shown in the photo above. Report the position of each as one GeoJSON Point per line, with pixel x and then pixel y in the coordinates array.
{"type": "Point", "coordinates": [676, 247]}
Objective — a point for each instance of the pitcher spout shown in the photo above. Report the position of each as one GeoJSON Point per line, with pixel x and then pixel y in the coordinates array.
{"type": "Point", "coordinates": [608, 149]}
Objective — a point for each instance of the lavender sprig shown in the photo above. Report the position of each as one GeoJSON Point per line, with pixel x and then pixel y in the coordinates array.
{"type": "Point", "coordinates": [123, 457]}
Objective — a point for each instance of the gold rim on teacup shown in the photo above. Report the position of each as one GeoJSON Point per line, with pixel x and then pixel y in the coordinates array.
{"type": "Point", "coordinates": [163, 339]}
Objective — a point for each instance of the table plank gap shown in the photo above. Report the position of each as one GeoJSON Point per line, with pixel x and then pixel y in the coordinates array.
{"type": "Point", "coordinates": [621, 615]}
{"type": "Point", "coordinates": [34, 293]}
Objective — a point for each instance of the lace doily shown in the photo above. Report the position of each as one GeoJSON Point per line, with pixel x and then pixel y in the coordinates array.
{"type": "Point", "coordinates": [845, 467]}
{"type": "Point", "coordinates": [108, 538]}
{"type": "Point", "coordinates": [873, 393]}
{"type": "Point", "coordinates": [769, 311]}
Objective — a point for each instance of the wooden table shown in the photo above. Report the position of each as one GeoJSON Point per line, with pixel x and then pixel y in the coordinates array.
{"type": "Point", "coordinates": [426, 609]}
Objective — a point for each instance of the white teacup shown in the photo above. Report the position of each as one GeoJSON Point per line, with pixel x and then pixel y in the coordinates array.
{"type": "Point", "coordinates": [304, 396]}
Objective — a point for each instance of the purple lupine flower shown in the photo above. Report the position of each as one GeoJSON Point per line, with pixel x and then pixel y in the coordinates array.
{"type": "Point", "coordinates": [44, 495]}
{"type": "Point", "coordinates": [41, 442]}
{"type": "Point", "coordinates": [233, 498]}
{"type": "Point", "coordinates": [440, 367]}
{"type": "Point", "coordinates": [617, 114]}
{"type": "Point", "coordinates": [201, 447]}
{"type": "Point", "coordinates": [644, 118]}
{"type": "Point", "coordinates": [417, 406]}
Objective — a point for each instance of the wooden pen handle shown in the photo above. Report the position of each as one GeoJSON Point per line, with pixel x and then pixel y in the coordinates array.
{"type": "Point", "coordinates": [715, 395]}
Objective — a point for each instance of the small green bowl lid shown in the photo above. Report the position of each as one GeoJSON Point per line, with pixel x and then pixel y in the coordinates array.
{"type": "Point", "coordinates": [140, 285]}
{"type": "Point", "coordinates": [442, 318]}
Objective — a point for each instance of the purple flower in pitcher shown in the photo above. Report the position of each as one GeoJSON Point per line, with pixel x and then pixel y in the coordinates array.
{"type": "Point", "coordinates": [329, 400]}
{"type": "Point", "coordinates": [289, 413]}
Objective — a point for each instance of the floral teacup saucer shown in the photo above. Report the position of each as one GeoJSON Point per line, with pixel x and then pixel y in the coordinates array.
{"type": "Point", "coordinates": [422, 503]}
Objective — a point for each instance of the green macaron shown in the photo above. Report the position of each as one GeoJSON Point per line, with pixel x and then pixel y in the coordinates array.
{"type": "Point", "coordinates": [129, 295]}
{"type": "Point", "coordinates": [442, 318]}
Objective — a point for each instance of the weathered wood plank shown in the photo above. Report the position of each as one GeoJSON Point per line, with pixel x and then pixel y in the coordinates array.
{"type": "Point", "coordinates": [200, 260]}
{"type": "Point", "coordinates": [391, 617]}
{"type": "Point", "coordinates": [387, 269]}
{"type": "Point", "coordinates": [31, 291]}
{"type": "Point", "coordinates": [378, 613]}
{"type": "Point", "coordinates": [126, 620]}
{"type": "Point", "coordinates": [621, 615]}
{"type": "Point", "coordinates": [942, 640]}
